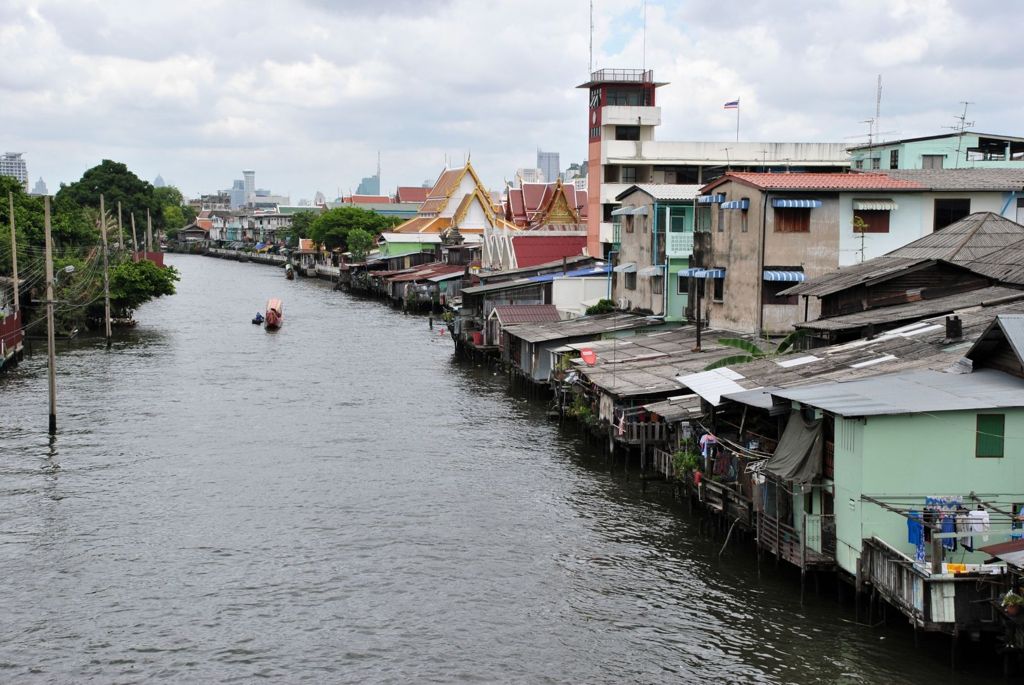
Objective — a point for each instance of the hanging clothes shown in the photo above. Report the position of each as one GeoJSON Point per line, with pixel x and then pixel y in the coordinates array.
{"type": "Point", "coordinates": [949, 526]}
{"type": "Point", "coordinates": [963, 525]}
{"type": "Point", "coordinates": [980, 522]}
{"type": "Point", "coordinates": [1018, 525]}
{"type": "Point", "coordinates": [707, 441]}
{"type": "Point", "coordinates": [915, 528]}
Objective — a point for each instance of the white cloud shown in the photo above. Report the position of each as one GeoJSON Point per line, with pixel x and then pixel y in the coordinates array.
{"type": "Point", "coordinates": [308, 94]}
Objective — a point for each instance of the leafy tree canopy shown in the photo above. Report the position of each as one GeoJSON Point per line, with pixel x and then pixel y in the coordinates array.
{"type": "Point", "coordinates": [333, 226]}
{"type": "Point", "coordinates": [134, 283]}
{"type": "Point", "coordinates": [359, 243]}
{"type": "Point", "coordinates": [116, 183]}
{"type": "Point", "coordinates": [301, 226]}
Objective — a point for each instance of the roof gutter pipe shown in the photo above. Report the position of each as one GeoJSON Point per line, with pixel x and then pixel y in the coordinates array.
{"type": "Point", "coordinates": [1009, 198]}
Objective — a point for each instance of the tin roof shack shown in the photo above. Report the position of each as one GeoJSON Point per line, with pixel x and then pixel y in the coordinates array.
{"type": "Point", "coordinates": [627, 374]}
{"type": "Point", "coordinates": [421, 288]}
{"type": "Point", "coordinates": [528, 348]}
{"type": "Point", "coordinates": [922, 443]}
{"type": "Point", "coordinates": [517, 286]}
{"type": "Point", "coordinates": [935, 273]}
{"type": "Point", "coordinates": [653, 235]}
{"type": "Point", "coordinates": [511, 314]}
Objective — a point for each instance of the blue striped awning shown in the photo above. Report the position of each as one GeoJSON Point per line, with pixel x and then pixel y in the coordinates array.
{"type": "Point", "coordinates": [709, 273]}
{"type": "Point", "coordinates": [711, 199]}
{"type": "Point", "coordinates": [691, 272]}
{"type": "Point", "coordinates": [794, 276]}
{"type": "Point", "coordinates": [737, 204]}
{"type": "Point", "coordinates": [795, 203]}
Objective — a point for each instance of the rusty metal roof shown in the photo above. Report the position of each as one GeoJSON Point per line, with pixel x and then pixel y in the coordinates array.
{"type": "Point", "coordinates": [985, 243]}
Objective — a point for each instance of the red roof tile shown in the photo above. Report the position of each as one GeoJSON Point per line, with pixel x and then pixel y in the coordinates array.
{"type": "Point", "coordinates": [412, 194]}
{"type": "Point", "coordinates": [526, 313]}
{"type": "Point", "coordinates": [369, 199]}
{"type": "Point", "coordinates": [539, 249]}
{"type": "Point", "coordinates": [817, 181]}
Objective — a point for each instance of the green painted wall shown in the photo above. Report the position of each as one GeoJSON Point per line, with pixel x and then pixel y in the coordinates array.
{"type": "Point", "coordinates": [395, 249]}
{"type": "Point", "coordinates": [910, 154]}
{"type": "Point", "coordinates": [917, 455]}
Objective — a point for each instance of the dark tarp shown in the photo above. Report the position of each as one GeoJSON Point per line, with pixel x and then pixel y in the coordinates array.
{"type": "Point", "coordinates": [798, 456]}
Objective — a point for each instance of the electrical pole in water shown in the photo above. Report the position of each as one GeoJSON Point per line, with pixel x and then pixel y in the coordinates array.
{"type": "Point", "coordinates": [120, 228]}
{"type": "Point", "coordinates": [51, 354]}
{"type": "Point", "coordinates": [135, 240]}
{"type": "Point", "coordinates": [14, 258]}
{"type": "Point", "coordinates": [106, 270]}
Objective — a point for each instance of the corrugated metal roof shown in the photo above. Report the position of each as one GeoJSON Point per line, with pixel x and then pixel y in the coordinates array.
{"type": "Point", "coordinates": [500, 285]}
{"type": "Point", "coordinates": [676, 408]}
{"type": "Point", "coordinates": [574, 328]}
{"type": "Point", "coordinates": [913, 392]}
{"type": "Point", "coordinates": [509, 314]}
{"type": "Point", "coordinates": [962, 179]}
{"type": "Point", "coordinates": [986, 243]}
{"type": "Point", "coordinates": [911, 310]}
{"type": "Point", "coordinates": [711, 385]}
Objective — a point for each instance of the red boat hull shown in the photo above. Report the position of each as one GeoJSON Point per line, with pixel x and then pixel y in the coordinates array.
{"type": "Point", "coordinates": [275, 314]}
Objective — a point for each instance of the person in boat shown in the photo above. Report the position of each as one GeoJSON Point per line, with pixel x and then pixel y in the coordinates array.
{"type": "Point", "coordinates": [258, 318]}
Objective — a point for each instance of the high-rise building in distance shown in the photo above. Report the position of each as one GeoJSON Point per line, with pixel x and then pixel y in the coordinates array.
{"type": "Point", "coordinates": [548, 164]}
{"type": "Point", "coordinates": [369, 186]}
{"type": "Point", "coordinates": [11, 164]}
{"type": "Point", "coordinates": [250, 183]}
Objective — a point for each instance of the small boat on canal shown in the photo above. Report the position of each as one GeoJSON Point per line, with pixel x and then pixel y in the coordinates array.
{"type": "Point", "coordinates": [289, 272]}
{"type": "Point", "coordinates": [275, 314]}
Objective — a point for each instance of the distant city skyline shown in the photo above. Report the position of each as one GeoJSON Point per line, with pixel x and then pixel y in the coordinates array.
{"type": "Point", "coordinates": [335, 83]}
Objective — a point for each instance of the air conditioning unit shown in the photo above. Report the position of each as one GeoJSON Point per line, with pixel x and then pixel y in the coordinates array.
{"type": "Point", "coordinates": [623, 303]}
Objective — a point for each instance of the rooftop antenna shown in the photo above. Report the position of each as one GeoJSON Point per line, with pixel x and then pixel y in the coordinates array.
{"type": "Point", "coordinates": [878, 106]}
{"type": "Point", "coordinates": [960, 128]}
{"type": "Point", "coordinates": [378, 172]}
{"type": "Point", "coordinates": [644, 60]}
{"type": "Point", "coordinates": [591, 71]}
{"type": "Point", "coordinates": [728, 162]}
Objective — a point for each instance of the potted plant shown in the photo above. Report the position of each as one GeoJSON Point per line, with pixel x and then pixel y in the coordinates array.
{"type": "Point", "coordinates": [1012, 603]}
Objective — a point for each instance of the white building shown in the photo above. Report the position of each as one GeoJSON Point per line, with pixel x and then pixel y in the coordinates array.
{"type": "Point", "coordinates": [622, 118]}
{"type": "Point", "coordinates": [11, 164]}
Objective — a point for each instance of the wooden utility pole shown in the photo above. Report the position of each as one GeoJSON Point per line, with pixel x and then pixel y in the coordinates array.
{"type": "Point", "coordinates": [149, 233]}
{"type": "Point", "coordinates": [135, 240]}
{"type": "Point", "coordinates": [50, 345]}
{"type": "Point", "coordinates": [14, 256]}
{"type": "Point", "coordinates": [106, 270]}
{"type": "Point", "coordinates": [120, 228]}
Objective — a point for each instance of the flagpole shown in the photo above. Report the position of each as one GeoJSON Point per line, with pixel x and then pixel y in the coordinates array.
{"type": "Point", "coordinates": [737, 120]}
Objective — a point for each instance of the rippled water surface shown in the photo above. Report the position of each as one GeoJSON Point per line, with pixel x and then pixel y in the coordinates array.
{"type": "Point", "coordinates": [341, 502]}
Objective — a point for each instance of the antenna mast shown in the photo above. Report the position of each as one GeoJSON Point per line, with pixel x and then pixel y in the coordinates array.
{"type": "Point", "coordinates": [960, 128]}
{"type": "Point", "coordinates": [878, 107]}
{"type": "Point", "coordinates": [591, 70]}
{"type": "Point", "coordinates": [644, 60]}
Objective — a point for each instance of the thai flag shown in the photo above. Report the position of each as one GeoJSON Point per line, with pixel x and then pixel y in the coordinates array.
{"type": "Point", "coordinates": [735, 104]}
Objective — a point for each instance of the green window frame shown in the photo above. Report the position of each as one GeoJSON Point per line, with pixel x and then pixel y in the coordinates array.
{"type": "Point", "coordinates": [990, 434]}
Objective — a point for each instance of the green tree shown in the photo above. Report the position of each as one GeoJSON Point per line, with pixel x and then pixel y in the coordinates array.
{"type": "Point", "coordinates": [333, 226]}
{"type": "Point", "coordinates": [752, 352]}
{"type": "Point", "coordinates": [135, 283]}
{"type": "Point", "coordinates": [301, 225]}
{"type": "Point", "coordinates": [359, 243]}
{"type": "Point", "coordinates": [174, 219]}
{"type": "Point", "coordinates": [117, 184]}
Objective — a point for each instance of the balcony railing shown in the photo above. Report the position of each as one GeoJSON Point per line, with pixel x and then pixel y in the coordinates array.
{"type": "Point", "coordinates": [623, 75]}
{"type": "Point", "coordinates": [680, 244]}
{"type": "Point", "coordinates": [617, 233]}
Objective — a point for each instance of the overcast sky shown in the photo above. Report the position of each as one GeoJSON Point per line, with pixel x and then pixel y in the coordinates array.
{"type": "Point", "coordinates": [306, 93]}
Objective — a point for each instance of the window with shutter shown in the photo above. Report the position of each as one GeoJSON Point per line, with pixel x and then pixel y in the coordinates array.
{"type": "Point", "coordinates": [990, 435]}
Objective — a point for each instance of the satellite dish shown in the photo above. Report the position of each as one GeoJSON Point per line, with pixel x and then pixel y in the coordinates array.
{"type": "Point", "coordinates": [588, 356]}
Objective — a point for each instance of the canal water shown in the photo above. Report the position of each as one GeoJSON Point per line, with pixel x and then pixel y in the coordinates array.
{"type": "Point", "coordinates": [340, 501]}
